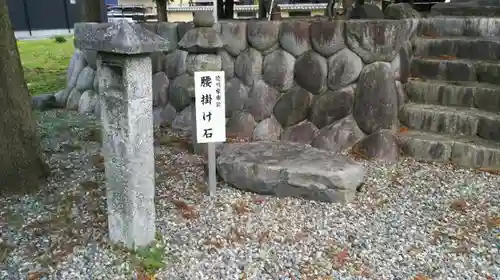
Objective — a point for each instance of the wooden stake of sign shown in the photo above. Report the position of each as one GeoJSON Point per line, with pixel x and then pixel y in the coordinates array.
{"type": "Point", "coordinates": [212, 168]}
{"type": "Point", "coordinates": [210, 117]}
{"type": "Point", "coordinates": [214, 11]}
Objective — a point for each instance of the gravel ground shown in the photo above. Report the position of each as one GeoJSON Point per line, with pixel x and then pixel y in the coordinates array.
{"type": "Point", "coordinates": [410, 221]}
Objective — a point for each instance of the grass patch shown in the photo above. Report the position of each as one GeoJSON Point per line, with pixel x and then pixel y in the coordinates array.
{"type": "Point", "coordinates": [60, 39]}
{"type": "Point", "coordinates": [45, 63]}
{"type": "Point", "coordinates": [57, 122]}
{"type": "Point", "coordinates": [145, 261]}
{"type": "Point", "coordinates": [149, 260]}
{"type": "Point", "coordinates": [14, 220]}
{"type": "Point", "coordinates": [65, 131]}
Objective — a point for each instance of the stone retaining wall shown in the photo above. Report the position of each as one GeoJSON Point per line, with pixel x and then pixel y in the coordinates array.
{"type": "Point", "coordinates": [327, 83]}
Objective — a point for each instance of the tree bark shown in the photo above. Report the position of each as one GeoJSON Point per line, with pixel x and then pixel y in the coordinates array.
{"type": "Point", "coordinates": [229, 9]}
{"type": "Point", "coordinates": [92, 10]}
{"type": "Point", "coordinates": [221, 14]}
{"type": "Point", "coordinates": [161, 10]}
{"type": "Point", "coordinates": [262, 9]}
{"type": "Point", "coordinates": [330, 9]}
{"type": "Point", "coordinates": [21, 164]}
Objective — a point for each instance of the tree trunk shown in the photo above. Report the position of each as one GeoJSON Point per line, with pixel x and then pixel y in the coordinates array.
{"type": "Point", "coordinates": [92, 10]}
{"type": "Point", "coordinates": [330, 9]}
{"type": "Point", "coordinates": [262, 9]}
{"type": "Point", "coordinates": [21, 161]}
{"type": "Point", "coordinates": [220, 10]}
{"type": "Point", "coordinates": [229, 9]}
{"type": "Point", "coordinates": [161, 10]}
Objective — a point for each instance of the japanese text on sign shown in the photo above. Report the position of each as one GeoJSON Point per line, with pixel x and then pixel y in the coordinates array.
{"type": "Point", "coordinates": [210, 106]}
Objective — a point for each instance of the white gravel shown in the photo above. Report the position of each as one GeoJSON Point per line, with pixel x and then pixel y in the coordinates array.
{"type": "Point", "coordinates": [410, 221]}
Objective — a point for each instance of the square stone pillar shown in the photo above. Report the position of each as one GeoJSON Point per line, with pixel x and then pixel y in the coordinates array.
{"type": "Point", "coordinates": [125, 85]}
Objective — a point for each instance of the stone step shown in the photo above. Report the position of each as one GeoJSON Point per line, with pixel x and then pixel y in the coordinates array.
{"type": "Point", "coordinates": [459, 47]}
{"type": "Point", "coordinates": [451, 120]}
{"type": "Point", "coordinates": [459, 26]}
{"type": "Point", "coordinates": [464, 151]}
{"type": "Point", "coordinates": [464, 8]}
{"type": "Point", "coordinates": [458, 94]}
{"type": "Point", "coordinates": [462, 70]}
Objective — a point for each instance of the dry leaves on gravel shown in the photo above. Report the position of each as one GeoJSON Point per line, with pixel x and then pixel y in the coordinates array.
{"type": "Point", "coordinates": [341, 257]}
{"type": "Point", "coordinates": [142, 275]}
{"type": "Point", "coordinates": [493, 222]}
{"type": "Point", "coordinates": [36, 275]}
{"type": "Point", "coordinates": [358, 154]}
{"type": "Point", "coordinates": [448, 57]}
{"type": "Point", "coordinates": [174, 141]}
{"type": "Point", "coordinates": [459, 205]}
{"type": "Point", "coordinates": [5, 250]}
{"type": "Point", "coordinates": [241, 207]}
{"type": "Point", "coordinates": [98, 162]}
{"type": "Point", "coordinates": [187, 211]}
{"type": "Point", "coordinates": [489, 170]}
{"type": "Point", "coordinates": [403, 129]}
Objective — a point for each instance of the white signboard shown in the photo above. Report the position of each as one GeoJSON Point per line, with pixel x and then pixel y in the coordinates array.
{"type": "Point", "coordinates": [210, 106]}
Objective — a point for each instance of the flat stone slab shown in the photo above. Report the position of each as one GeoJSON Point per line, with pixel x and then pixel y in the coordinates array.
{"type": "Point", "coordinates": [286, 169]}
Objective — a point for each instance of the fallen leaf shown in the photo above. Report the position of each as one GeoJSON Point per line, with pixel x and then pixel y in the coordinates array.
{"type": "Point", "coordinates": [300, 236]}
{"type": "Point", "coordinates": [263, 236]}
{"type": "Point", "coordinates": [421, 277]}
{"type": "Point", "coordinates": [37, 275]}
{"type": "Point", "coordinates": [179, 204]}
{"type": "Point", "coordinates": [493, 222]}
{"type": "Point", "coordinates": [98, 162]}
{"type": "Point", "coordinates": [341, 257]}
{"type": "Point", "coordinates": [489, 170]}
{"type": "Point", "coordinates": [403, 129]}
{"type": "Point", "coordinates": [395, 179]}
{"type": "Point", "coordinates": [190, 214]}
{"type": "Point", "coordinates": [237, 235]}
{"type": "Point", "coordinates": [259, 200]}
{"type": "Point", "coordinates": [358, 153]}
{"type": "Point", "coordinates": [460, 250]}
{"type": "Point", "coordinates": [415, 251]}
{"type": "Point", "coordinates": [459, 205]}
{"type": "Point", "coordinates": [447, 57]}
{"type": "Point", "coordinates": [187, 211]}
{"type": "Point", "coordinates": [142, 275]}
{"type": "Point", "coordinates": [233, 138]}
{"type": "Point", "coordinates": [214, 242]}
{"type": "Point", "coordinates": [240, 207]}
